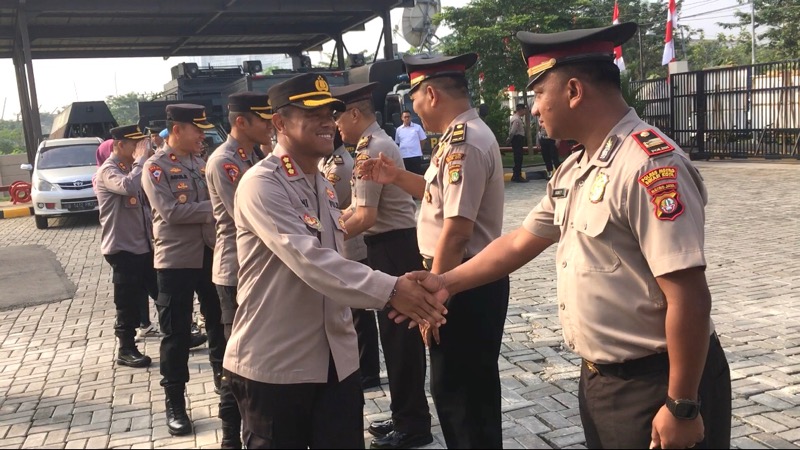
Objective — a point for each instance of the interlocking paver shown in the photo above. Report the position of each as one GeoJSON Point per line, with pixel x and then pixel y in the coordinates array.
{"type": "Point", "coordinates": [59, 386]}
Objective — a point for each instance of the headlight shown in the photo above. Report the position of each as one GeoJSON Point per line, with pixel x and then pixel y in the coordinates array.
{"type": "Point", "coordinates": [42, 185]}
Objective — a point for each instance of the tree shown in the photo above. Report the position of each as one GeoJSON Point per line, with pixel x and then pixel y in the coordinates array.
{"type": "Point", "coordinates": [777, 28]}
{"type": "Point", "coordinates": [725, 50]}
{"type": "Point", "coordinates": [125, 108]}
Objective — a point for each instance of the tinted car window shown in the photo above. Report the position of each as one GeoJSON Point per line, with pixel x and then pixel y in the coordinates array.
{"type": "Point", "coordinates": [68, 156]}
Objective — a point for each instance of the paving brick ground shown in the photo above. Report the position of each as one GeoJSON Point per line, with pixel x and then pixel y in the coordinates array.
{"type": "Point", "coordinates": [60, 389]}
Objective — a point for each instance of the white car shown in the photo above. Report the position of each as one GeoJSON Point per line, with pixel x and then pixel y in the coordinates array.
{"type": "Point", "coordinates": [62, 178]}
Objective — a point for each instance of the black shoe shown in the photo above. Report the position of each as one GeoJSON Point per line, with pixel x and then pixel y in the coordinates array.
{"type": "Point", "coordinates": [397, 439]}
{"type": "Point", "coordinates": [132, 358]}
{"type": "Point", "coordinates": [216, 368]}
{"type": "Point", "coordinates": [519, 180]}
{"type": "Point", "coordinates": [381, 428]}
{"type": "Point", "coordinates": [197, 340]}
{"type": "Point", "coordinates": [230, 436]}
{"type": "Point", "coordinates": [178, 423]}
{"type": "Point", "coordinates": [370, 381]}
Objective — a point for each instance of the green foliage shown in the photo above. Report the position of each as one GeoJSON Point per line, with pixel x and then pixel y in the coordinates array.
{"type": "Point", "coordinates": [12, 139]}
{"type": "Point", "coordinates": [722, 51]}
{"type": "Point", "coordinates": [125, 108]}
{"type": "Point", "coordinates": [777, 29]}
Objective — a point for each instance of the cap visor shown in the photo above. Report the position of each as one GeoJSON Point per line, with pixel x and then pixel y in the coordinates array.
{"type": "Point", "coordinates": [203, 125]}
{"type": "Point", "coordinates": [337, 104]}
{"type": "Point", "coordinates": [263, 115]}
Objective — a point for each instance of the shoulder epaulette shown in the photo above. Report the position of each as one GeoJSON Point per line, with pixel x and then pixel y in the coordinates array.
{"type": "Point", "coordinates": [289, 166]}
{"type": "Point", "coordinates": [459, 134]}
{"type": "Point", "coordinates": [652, 143]}
{"type": "Point", "coordinates": [363, 142]}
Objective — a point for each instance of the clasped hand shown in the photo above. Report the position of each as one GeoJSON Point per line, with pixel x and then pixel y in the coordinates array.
{"type": "Point", "coordinates": [434, 285]}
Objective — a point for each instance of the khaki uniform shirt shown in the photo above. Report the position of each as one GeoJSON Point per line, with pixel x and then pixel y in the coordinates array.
{"type": "Point", "coordinates": [517, 126]}
{"type": "Point", "coordinates": [338, 169]}
{"type": "Point", "coordinates": [465, 179]}
{"type": "Point", "coordinates": [396, 207]}
{"type": "Point", "coordinates": [295, 290]}
{"type": "Point", "coordinates": [183, 224]}
{"type": "Point", "coordinates": [124, 215]}
{"type": "Point", "coordinates": [632, 213]}
{"type": "Point", "coordinates": [224, 169]}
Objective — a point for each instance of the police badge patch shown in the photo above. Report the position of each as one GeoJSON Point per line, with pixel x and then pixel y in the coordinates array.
{"type": "Point", "coordinates": [232, 170]}
{"type": "Point", "coordinates": [156, 172]}
{"type": "Point", "coordinates": [667, 202]}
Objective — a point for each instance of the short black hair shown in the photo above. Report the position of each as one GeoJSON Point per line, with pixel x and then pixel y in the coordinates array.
{"type": "Point", "coordinates": [365, 106]}
{"type": "Point", "coordinates": [232, 115]}
{"type": "Point", "coordinates": [455, 86]}
{"type": "Point", "coordinates": [605, 72]}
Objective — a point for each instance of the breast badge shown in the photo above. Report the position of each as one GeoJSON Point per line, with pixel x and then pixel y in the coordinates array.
{"type": "Point", "coordinates": [183, 198]}
{"type": "Point", "coordinates": [175, 170]}
{"type": "Point", "coordinates": [598, 188]}
{"type": "Point", "coordinates": [312, 222]}
{"type": "Point", "coordinates": [182, 186]}
{"type": "Point", "coordinates": [133, 200]}
{"type": "Point", "coordinates": [330, 193]}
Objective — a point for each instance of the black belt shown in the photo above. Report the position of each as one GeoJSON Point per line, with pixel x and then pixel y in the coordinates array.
{"type": "Point", "coordinates": [427, 263]}
{"type": "Point", "coordinates": [658, 362]}
{"type": "Point", "coordinates": [390, 236]}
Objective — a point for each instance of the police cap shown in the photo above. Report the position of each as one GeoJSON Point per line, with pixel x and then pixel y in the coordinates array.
{"type": "Point", "coordinates": [307, 91]}
{"type": "Point", "coordinates": [131, 132]}
{"type": "Point", "coordinates": [425, 67]}
{"type": "Point", "coordinates": [354, 92]}
{"type": "Point", "coordinates": [188, 113]}
{"type": "Point", "coordinates": [253, 102]}
{"type": "Point", "coordinates": [545, 51]}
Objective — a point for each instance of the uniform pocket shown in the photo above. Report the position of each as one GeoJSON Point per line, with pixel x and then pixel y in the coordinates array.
{"type": "Point", "coordinates": [598, 254]}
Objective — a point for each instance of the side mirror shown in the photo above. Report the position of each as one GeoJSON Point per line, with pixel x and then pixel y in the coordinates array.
{"type": "Point", "coordinates": [26, 166]}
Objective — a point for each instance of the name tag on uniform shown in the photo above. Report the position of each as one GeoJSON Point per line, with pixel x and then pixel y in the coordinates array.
{"type": "Point", "coordinates": [560, 193]}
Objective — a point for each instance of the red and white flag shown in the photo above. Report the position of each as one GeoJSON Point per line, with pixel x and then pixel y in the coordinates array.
{"type": "Point", "coordinates": [617, 50]}
{"type": "Point", "coordinates": [669, 45]}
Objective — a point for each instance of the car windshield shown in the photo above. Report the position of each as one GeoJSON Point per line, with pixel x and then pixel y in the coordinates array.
{"type": "Point", "coordinates": [67, 156]}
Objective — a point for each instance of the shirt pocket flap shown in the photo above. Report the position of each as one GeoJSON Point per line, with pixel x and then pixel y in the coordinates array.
{"type": "Point", "coordinates": [594, 222]}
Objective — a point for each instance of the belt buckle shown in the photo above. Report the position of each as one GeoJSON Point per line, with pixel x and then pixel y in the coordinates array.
{"type": "Point", "coordinates": [426, 263]}
{"type": "Point", "coordinates": [592, 368]}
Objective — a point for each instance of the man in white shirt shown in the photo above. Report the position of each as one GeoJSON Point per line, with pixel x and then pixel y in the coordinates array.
{"type": "Point", "coordinates": [409, 137]}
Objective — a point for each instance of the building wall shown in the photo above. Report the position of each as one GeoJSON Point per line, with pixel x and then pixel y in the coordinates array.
{"type": "Point", "coordinates": [10, 171]}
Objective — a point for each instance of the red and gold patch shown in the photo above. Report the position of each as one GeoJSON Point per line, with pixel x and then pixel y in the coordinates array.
{"type": "Point", "coordinates": [122, 166]}
{"type": "Point", "coordinates": [667, 202]}
{"type": "Point", "coordinates": [156, 172]}
{"type": "Point", "coordinates": [312, 222]}
{"type": "Point", "coordinates": [288, 166]}
{"type": "Point", "coordinates": [182, 186]}
{"type": "Point", "coordinates": [332, 177]}
{"type": "Point", "coordinates": [242, 154]}
{"type": "Point", "coordinates": [173, 158]}
{"type": "Point", "coordinates": [652, 143]}
{"type": "Point", "coordinates": [660, 174]}
{"type": "Point", "coordinates": [454, 157]}
{"type": "Point", "coordinates": [175, 170]}
{"type": "Point", "coordinates": [232, 171]}
{"type": "Point", "coordinates": [454, 174]}
{"type": "Point", "coordinates": [341, 224]}
{"type": "Point", "coordinates": [330, 193]}
{"type": "Point", "coordinates": [363, 142]}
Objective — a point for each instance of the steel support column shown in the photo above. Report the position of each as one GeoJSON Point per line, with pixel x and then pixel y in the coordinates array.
{"type": "Point", "coordinates": [340, 51]}
{"type": "Point", "coordinates": [388, 47]}
{"type": "Point", "coordinates": [26, 84]}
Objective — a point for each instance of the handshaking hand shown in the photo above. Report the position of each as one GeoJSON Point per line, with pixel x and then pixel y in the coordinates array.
{"type": "Point", "coordinates": [380, 170]}
{"type": "Point", "coordinates": [435, 284]}
{"type": "Point", "coordinates": [413, 301]}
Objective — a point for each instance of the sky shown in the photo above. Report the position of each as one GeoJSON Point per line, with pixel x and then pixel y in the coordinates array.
{"type": "Point", "coordinates": [62, 81]}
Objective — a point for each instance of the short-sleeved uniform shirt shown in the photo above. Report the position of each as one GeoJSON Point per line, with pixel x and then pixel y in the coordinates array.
{"type": "Point", "coordinates": [295, 289]}
{"type": "Point", "coordinates": [183, 223]}
{"type": "Point", "coordinates": [396, 207]}
{"type": "Point", "coordinates": [465, 179]}
{"type": "Point", "coordinates": [224, 168]}
{"type": "Point", "coordinates": [124, 215]}
{"type": "Point", "coordinates": [634, 212]}
{"type": "Point", "coordinates": [338, 170]}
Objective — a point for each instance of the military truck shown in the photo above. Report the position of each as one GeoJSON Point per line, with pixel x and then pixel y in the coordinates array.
{"type": "Point", "coordinates": [83, 119]}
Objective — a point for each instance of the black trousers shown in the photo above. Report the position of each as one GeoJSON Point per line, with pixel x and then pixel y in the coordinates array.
{"type": "Point", "coordinates": [465, 380]}
{"type": "Point", "coordinates": [413, 164]}
{"type": "Point", "coordinates": [549, 154]}
{"type": "Point", "coordinates": [305, 415]}
{"type": "Point", "coordinates": [175, 303]}
{"type": "Point", "coordinates": [517, 145]}
{"type": "Point", "coordinates": [367, 330]}
{"type": "Point", "coordinates": [134, 279]}
{"type": "Point", "coordinates": [396, 253]}
{"type": "Point", "coordinates": [618, 406]}
{"type": "Point", "coordinates": [228, 409]}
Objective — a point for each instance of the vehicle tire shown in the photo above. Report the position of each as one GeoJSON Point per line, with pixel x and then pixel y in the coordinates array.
{"type": "Point", "coordinates": [41, 222]}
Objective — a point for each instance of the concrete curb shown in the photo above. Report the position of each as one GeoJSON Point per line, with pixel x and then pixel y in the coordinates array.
{"type": "Point", "coordinates": [16, 211]}
{"type": "Point", "coordinates": [528, 175]}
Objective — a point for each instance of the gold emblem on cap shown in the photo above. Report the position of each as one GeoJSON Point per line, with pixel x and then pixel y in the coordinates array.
{"type": "Point", "coordinates": [541, 67]}
{"type": "Point", "coordinates": [321, 84]}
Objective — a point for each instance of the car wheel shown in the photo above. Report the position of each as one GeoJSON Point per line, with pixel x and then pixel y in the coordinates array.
{"type": "Point", "coordinates": [41, 222]}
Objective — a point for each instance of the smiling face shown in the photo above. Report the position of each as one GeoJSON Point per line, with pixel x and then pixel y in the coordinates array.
{"type": "Point", "coordinates": [306, 131]}
{"type": "Point", "coordinates": [187, 138]}
{"type": "Point", "coordinates": [347, 122]}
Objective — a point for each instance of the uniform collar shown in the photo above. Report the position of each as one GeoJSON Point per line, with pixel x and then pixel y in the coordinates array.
{"type": "Point", "coordinates": [466, 116]}
{"type": "Point", "coordinates": [372, 129]}
{"type": "Point", "coordinates": [603, 156]}
{"type": "Point", "coordinates": [233, 147]}
{"type": "Point", "coordinates": [287, 166]}
{"type": "Point", "coordinates": [114, 159]}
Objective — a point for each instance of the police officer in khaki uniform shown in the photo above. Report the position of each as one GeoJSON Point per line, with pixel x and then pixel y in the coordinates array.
{"type": "Point", "coordinates": [293, 357]}
{"type": "Point", "coordinates": [516, 137]}
{"type": "Point", "coordinates": [250, 117]}
{"type": "Point", "coordinates": [337, 168]}
{"type": "Point", "coordinates": [386, 216]}
{"type": "Point", "coordinates": [462, 212]}
{"type": "Point", "coordinates": [628, 215]}
{"type": "Point", "coordinates": [127, 237]}
{"type": "Point", "coordinates": [183, 225]}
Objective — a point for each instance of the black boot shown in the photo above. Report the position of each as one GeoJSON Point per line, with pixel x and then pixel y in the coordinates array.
{"type": "Point", "coordinates": [178, 422]}
{"type": "Point", "coordinates": [217, 369]}
{"type": "Point", "coordinates": [230, 436]}
{"type": "Point", "coordinates": [131, 357]}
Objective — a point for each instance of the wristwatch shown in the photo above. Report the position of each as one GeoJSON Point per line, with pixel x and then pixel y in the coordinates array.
{"type": "Point", "coordinates": [682, 408]}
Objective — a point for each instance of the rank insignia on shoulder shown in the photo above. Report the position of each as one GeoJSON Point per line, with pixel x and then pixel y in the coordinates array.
{"type": "Point", "coordinates": [173, 158]}
{"type": "Point", "coordinates": [122, 166]}
{"type": "Point", "coordinates": [330, 193]}
{"type": "Point", "coordinates": [312, 222]}
{"type": "Point", "coordinates": [338, 160]}
{"type": "Point", "coordinates": [363, 142]}
{"type": "Point", "coordinates": [652, 143]}
{"type": "Point", "coordinates": [454, 174]}
{"type": "Point", "coordinates": [182, 186]}
{"type": "Point", "coordinates": [362, 156]}
{"type": "Point", "coordinates": [332, 177]}
{"type": "Point", "coordinates": [608, 147]}
{"type": "Point", "coordinates": [667, 202]}
{"type": "Point", "coordinates": [175, 170]}
{"type": "Point", "coordinates": [598, 188]}
{"type": "Point", "coordinates": [288, 166]}
{"type": "Point", "coordinates": [242, 154]}
{"type": "Point", "coordinates": [156, 172]}
{"type": "Point", "coordinates": [454, 157]}
{"type": "Point", "coordinates": [459, 134]}
{"type": "Point", "coordinates": [232, 170]}
{"type": "Point", "coordinates": [654, 176]}
{"type": "Point", "coordinates": [428, 197]}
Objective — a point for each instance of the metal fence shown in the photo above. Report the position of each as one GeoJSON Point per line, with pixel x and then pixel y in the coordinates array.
{"type": "Point", "coordinates": [736, 112]}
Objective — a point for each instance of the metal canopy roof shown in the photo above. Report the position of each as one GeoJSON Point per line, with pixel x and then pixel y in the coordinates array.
{"type": "Point", "coordinates": [126, 28]}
